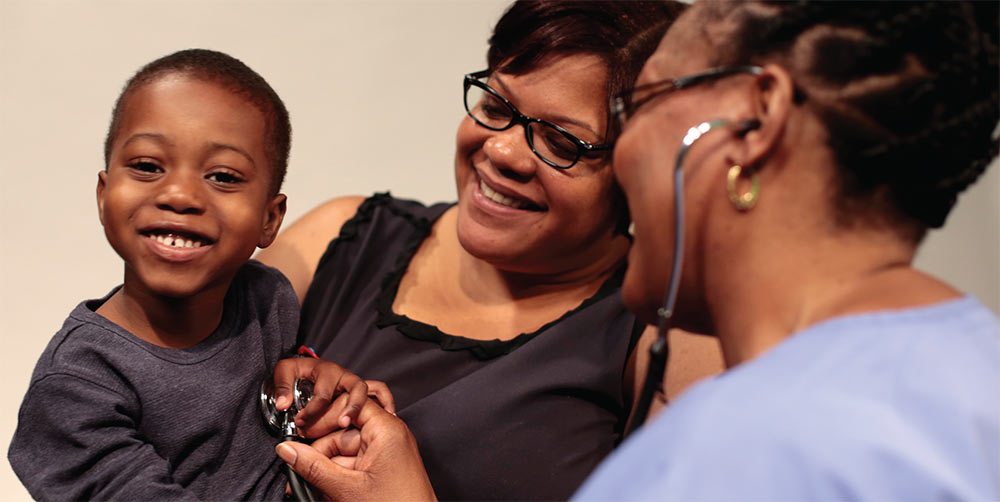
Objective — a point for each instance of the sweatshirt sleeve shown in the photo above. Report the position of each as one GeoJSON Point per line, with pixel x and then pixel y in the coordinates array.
{"type": "Point", "coordinates": [77, 440]}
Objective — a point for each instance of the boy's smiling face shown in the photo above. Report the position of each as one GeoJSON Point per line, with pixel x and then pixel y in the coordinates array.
{"type": "Point", "coordinates": [186, 196]}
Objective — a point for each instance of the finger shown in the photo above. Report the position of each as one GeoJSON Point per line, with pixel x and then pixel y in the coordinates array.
{"type": "Point", "coordinates": [325, 376]}
{"type": "Point", "coordinates": [349, 442]}
{"type": "Point", "coordinates": [345, 442]}
{"type": "Point", "coordinates": [330, 380]}
{"type": "Point", "coordinates": [285, 374]}
{"type": "Point", "coordinates": [357, 396]}
{"type": "Point", "coordinates": [380, 391]}
{"type": "Point", "coordinates": [343, 381]}
{"type": "Point", "coordinates": [373, 411]}
{"type": "Point", "coordinates": [328, 423]}
{"type": "Point", "coordinates": [346, 462]}
{"type": "Point", "coordinates": [327, 420]}
{"type": "Point", "coordinates": [333, 479]}
{"type": "Point", "coordinates": [376, 424]}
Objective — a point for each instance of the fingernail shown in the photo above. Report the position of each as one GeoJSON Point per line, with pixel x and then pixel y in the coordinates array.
{"type": "Point", "coordinates": [286, 453]}
{"type": "Point", "coordinates": [282, 402]}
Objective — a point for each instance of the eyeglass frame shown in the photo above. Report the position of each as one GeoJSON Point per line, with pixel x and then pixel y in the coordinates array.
{"type": "Point", "coordinates": [622, 109]}
{"type": "Point", "coordinates": [582, 147]}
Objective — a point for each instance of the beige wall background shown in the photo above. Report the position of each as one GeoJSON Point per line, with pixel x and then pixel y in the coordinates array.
{"type": "Point", "coordinates": [374, 92]}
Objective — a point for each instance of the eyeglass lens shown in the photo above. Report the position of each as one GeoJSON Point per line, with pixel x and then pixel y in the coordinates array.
{"type": "Point", "coordinates": [549, 143]}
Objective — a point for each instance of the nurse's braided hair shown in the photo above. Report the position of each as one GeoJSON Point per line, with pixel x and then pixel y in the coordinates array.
{"type": "Point", "coordinates": [907, 90]}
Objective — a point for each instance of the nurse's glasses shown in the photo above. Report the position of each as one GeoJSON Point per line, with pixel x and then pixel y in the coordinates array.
{"type": "Point", "coordinates": [627, 103]}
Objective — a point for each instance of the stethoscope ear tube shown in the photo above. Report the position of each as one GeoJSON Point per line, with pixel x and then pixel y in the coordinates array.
{"type": "Point", "coordinates": [654, 377]}
{"type": "Point", "coordinates": [659, 351]}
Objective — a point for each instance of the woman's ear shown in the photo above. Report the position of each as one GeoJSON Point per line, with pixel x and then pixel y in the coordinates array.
{"type": "Point", "coordinates": [275, 212]}
{"type": "Point", "coordinates": [102, 180]}
{"type": "Point", "coordinates": [772, 98]}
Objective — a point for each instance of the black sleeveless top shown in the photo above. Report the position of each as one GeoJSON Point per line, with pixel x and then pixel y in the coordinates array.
{"type": "Point", "coordinates": [523, 419]}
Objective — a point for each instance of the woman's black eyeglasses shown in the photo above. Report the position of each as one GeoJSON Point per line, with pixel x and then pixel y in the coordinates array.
{"type": "Point", "coordinates": [556, 146]}
{"type": "Point", "coordinates": [625, 104]}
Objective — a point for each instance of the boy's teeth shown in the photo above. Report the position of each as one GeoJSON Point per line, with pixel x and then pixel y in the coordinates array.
{"type": "Point", "coordinates": [498, 197]}
{"type": "Point", "coordinates": [175, 241]}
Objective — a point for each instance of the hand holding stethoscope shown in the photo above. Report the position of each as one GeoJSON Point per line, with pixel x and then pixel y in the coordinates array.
{"type": "Point", "coordinates": [309, 398]}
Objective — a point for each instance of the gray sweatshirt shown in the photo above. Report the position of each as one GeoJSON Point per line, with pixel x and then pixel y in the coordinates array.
{"type": "Point", "coordinates": [110, 416]}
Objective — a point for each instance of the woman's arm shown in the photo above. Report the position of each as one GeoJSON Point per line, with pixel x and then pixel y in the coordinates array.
{"type": "Point", "coordinates": [297, 250]}
{"type": "Point", "coordinates": [692, 357]}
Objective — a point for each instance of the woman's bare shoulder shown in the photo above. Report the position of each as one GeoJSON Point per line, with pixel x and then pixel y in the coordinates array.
{"type": "Point", "coordinates": [297, 250]}
{"type": "Point", "coordinates": [329, 216]}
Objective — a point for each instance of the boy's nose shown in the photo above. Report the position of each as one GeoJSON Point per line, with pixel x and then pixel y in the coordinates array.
{"type": "Point", "coordinates": [181, 193]}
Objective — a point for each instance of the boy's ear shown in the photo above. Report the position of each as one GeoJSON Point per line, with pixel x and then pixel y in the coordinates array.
{"type": "Point", "coordinates": [772, 98]}
{"type": "Point", "coordinates": [102, 180]}
{"type": "Point", "coordinates": [272, 220]}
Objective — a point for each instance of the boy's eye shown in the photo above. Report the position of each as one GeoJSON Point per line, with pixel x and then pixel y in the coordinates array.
{"type": "Point", "coordinates": [224, 177]}
{"type": "Point", "coordinates": [144, 166]}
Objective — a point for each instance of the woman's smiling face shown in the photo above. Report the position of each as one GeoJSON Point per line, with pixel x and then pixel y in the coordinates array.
{"type": "Point", "coordinates": [516, 211]}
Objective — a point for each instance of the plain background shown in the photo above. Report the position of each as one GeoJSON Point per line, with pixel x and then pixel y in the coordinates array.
{"type": "Point", "coordinates": [374, 92]}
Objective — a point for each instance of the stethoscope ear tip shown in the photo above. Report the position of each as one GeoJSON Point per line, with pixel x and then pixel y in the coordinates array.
{"type": "Point", "coordinates": [748, 125]}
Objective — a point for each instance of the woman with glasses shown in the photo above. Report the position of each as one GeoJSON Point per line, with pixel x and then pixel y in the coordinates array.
{"type": "Point", "coordinates": [497, 321]}
{"type": "Point", "coordinates": [794, 155]}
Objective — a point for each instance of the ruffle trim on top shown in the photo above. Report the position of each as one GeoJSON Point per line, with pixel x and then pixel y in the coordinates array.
{"type": "Point", "coordinates": [481, 349]}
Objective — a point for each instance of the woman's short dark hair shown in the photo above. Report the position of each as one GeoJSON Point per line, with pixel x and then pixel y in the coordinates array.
{"type": "Point", "coordinates": [225, 70]}
{"type": "Point", "coordinates": [622, 33]}
{"type": "Point", "coordinates": [907, 90]}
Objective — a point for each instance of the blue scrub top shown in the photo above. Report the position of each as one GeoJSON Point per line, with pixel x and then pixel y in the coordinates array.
{"type": "Point", "coordinates": [893, 405]}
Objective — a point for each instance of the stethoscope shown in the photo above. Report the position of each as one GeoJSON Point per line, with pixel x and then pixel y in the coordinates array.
{"type": "Point", "coordinates": [659, 351]}
{"type": "Point", "coordinates": [282, 425]}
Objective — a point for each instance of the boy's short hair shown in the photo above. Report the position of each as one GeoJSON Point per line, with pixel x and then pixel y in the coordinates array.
{"type": "Point", "coordinates": [223, 69]}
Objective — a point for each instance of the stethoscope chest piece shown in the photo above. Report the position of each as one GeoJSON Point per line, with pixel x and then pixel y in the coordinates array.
{"type": "Point", "coordinates": [282, 423]}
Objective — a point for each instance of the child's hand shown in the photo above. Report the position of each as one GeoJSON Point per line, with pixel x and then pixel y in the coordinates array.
{"type": "Point", "coordinates": [324, 421]}
{"type": "Point", "coordinates": [330, 381]}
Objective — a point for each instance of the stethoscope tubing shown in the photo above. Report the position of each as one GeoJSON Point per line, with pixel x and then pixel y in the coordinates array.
{"type": "Point", "coordinates": [660, 350]}
{"type": "Point", "coordinates": [300, 489]}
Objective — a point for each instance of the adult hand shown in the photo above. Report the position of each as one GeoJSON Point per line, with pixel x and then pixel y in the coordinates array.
{"type": "Point", "coordinates": [377, 461]}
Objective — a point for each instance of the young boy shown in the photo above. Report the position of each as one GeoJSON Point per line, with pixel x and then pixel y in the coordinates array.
{"type": "Point", "coordinates": [151, 392]}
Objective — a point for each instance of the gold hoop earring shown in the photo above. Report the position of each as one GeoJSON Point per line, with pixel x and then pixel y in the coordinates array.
{"type": "Point", "coordinates": [746, 200]}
